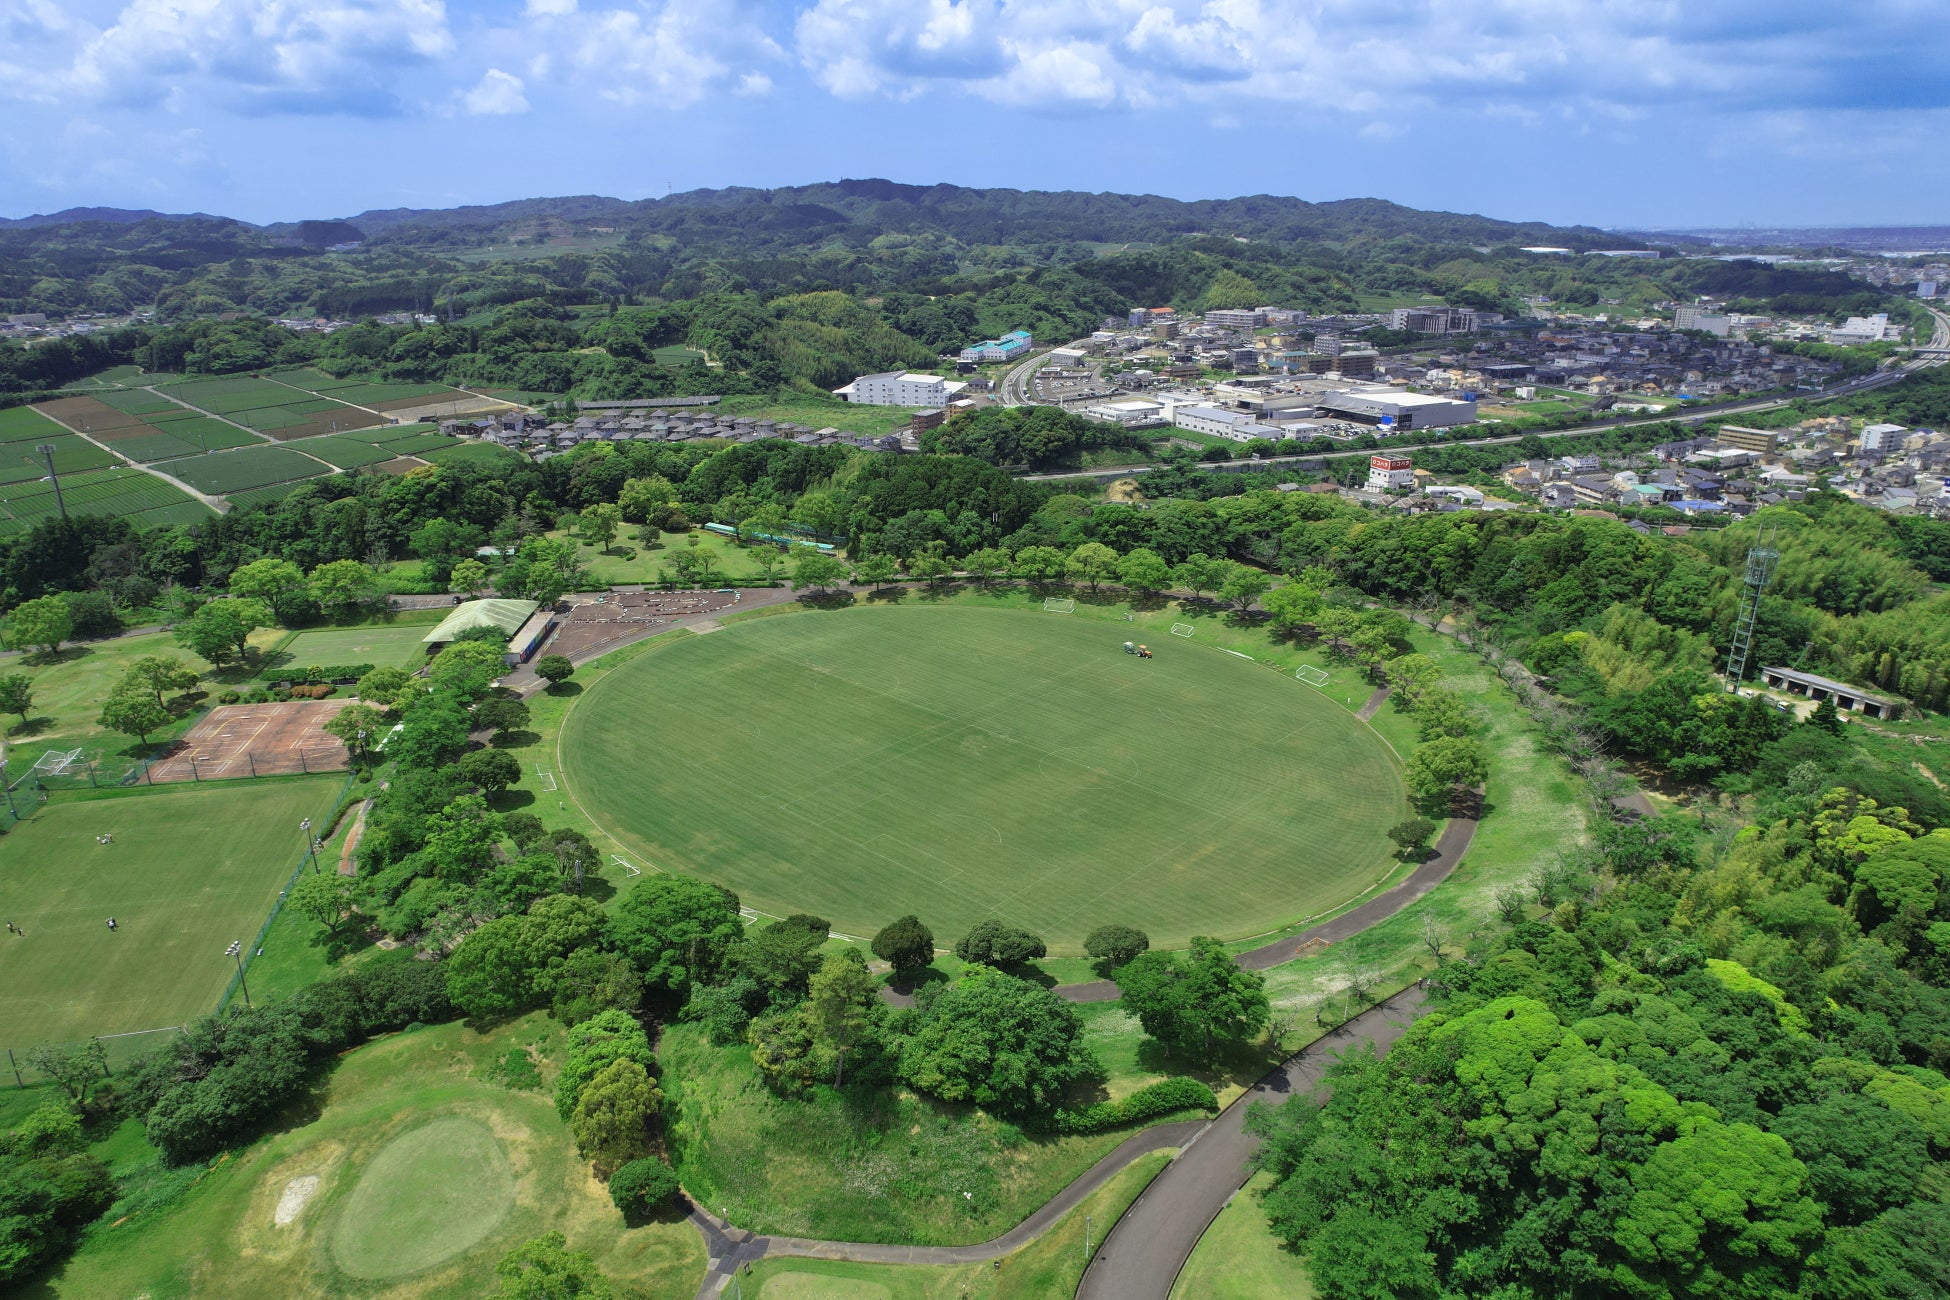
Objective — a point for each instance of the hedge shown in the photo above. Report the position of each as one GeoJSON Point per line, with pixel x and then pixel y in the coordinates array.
{"type": "Point", "coordinates": [1146, 1103]}
{"type": "Point", "coordinates": [315, 673]}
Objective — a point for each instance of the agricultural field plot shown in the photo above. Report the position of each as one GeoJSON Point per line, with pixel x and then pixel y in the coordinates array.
{"type": "Point", "coordinates": [117, 491]}
{"type": "Point", "coordinates": [420, 443]}
{"type": "Point", "coordinates": [364, 392]}
{"type": "Point", "coordinates": [246, 467]}
{"type": "Point", "coordinates": [467, 453]}
{"type": "Point", "coordinates": [87, 414]}
{"type": "Point", "coordinates": [262, 496]}
{"type": "Point", "coordinates": [21, 461]}
{"type": "Point", "coordinates": [137, 401]}
{"type": "Point", "coordinates": [191, 868]}
{"type": "Point", "coordinates": [161, 431]}
{"type": "Point", "coordinates": [26, 424]}
{"type": "Point", "coordinates": [274, 409]}
{"type": "Point", "coordinates": [965, 764]}
{"type": "Point", "coordinates": [342, 452]}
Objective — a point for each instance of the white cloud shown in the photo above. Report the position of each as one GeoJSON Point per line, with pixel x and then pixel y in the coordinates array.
{"type": "Point", "coordinates": [498, 94]}
{"type": "Point", "coordinates": [549, 8]}
{"type": "Point", "coordinates": [671, 54]}
{"type": "Point", "coordinates": [250, 56]}
{"type": "Point", "coordinates": [752, 85]}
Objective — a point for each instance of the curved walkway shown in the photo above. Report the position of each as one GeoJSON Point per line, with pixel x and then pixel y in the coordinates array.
{"type": "Point", "coordinates": [731, 1248]}
{"type": "Point", "coordinates": [1149, 1244]}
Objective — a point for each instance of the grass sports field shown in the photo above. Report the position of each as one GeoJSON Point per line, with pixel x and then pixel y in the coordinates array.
{"type": "Point", "coordinates": [399, 645]}
{"type": "Point", "coordinates": [965, 764]}
{"type": "Point", "coordinates": [192, 868]}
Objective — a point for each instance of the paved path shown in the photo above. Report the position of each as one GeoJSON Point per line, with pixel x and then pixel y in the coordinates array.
{"type": "Point", "coordinates": [348, 865]}
{"type": "Point", "coordinates": [730, 1248]}
{"type": "Point", "coordinates": [1144, 1252]}
{"type": "Point", "coordinates": [1373, 706]}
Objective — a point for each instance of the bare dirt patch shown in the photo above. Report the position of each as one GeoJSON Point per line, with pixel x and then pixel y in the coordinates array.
{"type": "Point", "coordinates": [256, 740]}
{"type": "Point", "coordinates": [292, 1201]}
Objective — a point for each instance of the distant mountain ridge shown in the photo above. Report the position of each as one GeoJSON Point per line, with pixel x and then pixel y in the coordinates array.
{"type": "Point", "coordinates": [109, 216]}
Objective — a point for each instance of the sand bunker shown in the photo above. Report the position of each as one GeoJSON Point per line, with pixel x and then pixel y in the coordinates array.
{"type": "Point", "coordinates": [297, 1194]}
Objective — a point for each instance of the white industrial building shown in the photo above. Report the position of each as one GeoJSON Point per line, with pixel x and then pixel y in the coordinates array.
{"type": "Point", "coordinates": [1698, 318]}
{"type": "Point", "coordinates": [1132, 413]}
{"type": "Point", "coordinates": [1401, 410]}
{"type": "Point", "coordinates": [1240, 426]}
{"type": "Point", "coordinates": [900, 388]}
{"type": "Point", "coordinates": [1067, 359]}
{"type": "Point", "coordinates": [1390, 473]}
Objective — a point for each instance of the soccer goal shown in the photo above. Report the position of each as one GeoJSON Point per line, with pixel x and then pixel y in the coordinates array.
{"type": "Point", "coordinates": [1059, 604]}
{"type": "Point", "coordinates": [628, 870]}
{"type": "Point", "coordinates": [57, 763]}
{"type": "Point", "coordinates": [545, 778]}
{"type": "Point", "coordinates": [1311, 676]}
{"type": "Point", "coordinates": [1182, 629]}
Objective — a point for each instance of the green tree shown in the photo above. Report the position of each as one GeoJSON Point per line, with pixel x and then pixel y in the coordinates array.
{"type": "Point", "coordinates": [493, 770]}
{"type": "Point", "coordinates": [1442, 769]}
{"type": "Point", "coordinates": [1411, 835]}
{"type": "Point", "coordinates": [678, 930]}
{"type": "Point", "coordinates": [1410, 678]}
{"type": "Point", "coordinates": [997, 1041]}
{"type": "Point", "coordinates": [986, 564]}
{"type": "Point", "coordinates": [492, 972]}
{"type": "Point", "coordinates": [324, 896]}
{"type": "Point", "coordinates": [613, 1116]}
{"type": "Point", "coordinates": [220, 630]}
{"type": "Point", "coordinates": [600, 523]}
{"type": "Point", "coordinates": [545, 1269]}
{"type": "Point", "coordinates": [277, 583]}
{"type": "Point", "coordinates": [468, 578]}
{"type": "Point", "coordinates": [906, 945]}
{"type": "Point", "coordinates": [43, 624]}
{"type": "Point", "coordinates": [594, 1045]}
{"type": "Point", "coordinates": [78, 1069]}
{"type": "Point", "coordinates": [930, 567]}
{"type": "Point", "coordinates": [554, 669]}
{"type": "Point", "coordinates": [996, 943]}
{"type": "Point", "coordinates": [341, 586]}
{"type": "Point", "coordinates": [1143, 569]}
{"type": "Point", "coordinates": [1826, 717]}
{"type": "Point", "coordinates": [1111, 946]}
{"type": "Point", "coordinates": [156, 674]}
{"type": "Point", "coordinates": [466, 668]}
{"type": "Point", "coordinates": [817, 572]}
{"type": "Point", "coordinates": [1040, 563]}
{"type": "Point", "coordinates": [1199, 573]}
{"type": "Point", "coordinates": [16, 694]}
{"type": "Point", "coordinates": [1185, 1002]}
{"type": "Point", "coordinates": [1092, 563]}
{"type": "Point", "coordinates": [783, 956]}
{"type": "Point", "coordinates": [1244, 585]}
{"type": "Point", "coordinates": [1290, 607]}
{"type": "Point", "coordinates": [134, 713]}
{"type": "Point", "coordinates": [642, 1187]}
{"type": "Point", "coordinates": [876, 570]}
{"type": "Point", "coordinates": [842, 1007]}
{"type": "Point", "coordinates": [388, 688]}
{"type": "Point", "coordinates": [501, 715]}
{"type": "Point", "coordinates": [647, 500]}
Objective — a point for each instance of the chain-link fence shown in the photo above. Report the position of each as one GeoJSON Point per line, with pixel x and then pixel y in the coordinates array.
{"type": "Point", "coordinates": [29, 1067]}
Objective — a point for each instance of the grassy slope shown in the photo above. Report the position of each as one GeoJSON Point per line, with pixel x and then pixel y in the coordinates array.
{"type": "Point", "coordinates": [192, 867]}
{"type": "Point", "coordinates": [966, 764]}
{"type": "Point", "coordinates": [217, 1239]}
{"type": "Point", "coordinates": [867, 1165]}
{"type": "Point", "coordinates": [1239, 1258]}
{"type": "Point", "coordinates": [1048, 1267]}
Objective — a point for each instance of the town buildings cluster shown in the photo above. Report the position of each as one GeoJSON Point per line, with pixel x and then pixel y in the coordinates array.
{"type": "Point", "coordinates": [658, 420]}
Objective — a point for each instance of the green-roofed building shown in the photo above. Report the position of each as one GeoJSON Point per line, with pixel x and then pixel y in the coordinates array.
{"type": "Point", "coordinates": [504, 616]}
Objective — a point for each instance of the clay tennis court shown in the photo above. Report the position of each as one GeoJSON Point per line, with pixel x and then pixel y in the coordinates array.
{"type": "Point", "coordinates": [256, 740]}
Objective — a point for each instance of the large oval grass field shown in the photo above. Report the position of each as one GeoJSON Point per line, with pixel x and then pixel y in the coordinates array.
{"type": "Point", "coordinates": [964, 764]}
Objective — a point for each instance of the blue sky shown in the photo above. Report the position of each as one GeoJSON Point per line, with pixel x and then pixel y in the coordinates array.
{"type": "Point", "coordinates": [1611, 112]}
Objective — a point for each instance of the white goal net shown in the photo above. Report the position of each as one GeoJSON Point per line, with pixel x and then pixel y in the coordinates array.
{"type": "Point", "coordinates": [1311, 676]}
{"type": "Point", "coordinates": [628, 870]}
{"type": "Point", "coordinates": [57, 763]}
{"type": "Point", "coordinates": [1181, 629]}
{"type": "Point", "coordinates": [1059, 604]}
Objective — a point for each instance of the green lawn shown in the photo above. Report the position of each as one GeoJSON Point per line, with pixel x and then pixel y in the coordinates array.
{"type": "Point", "coordinates": [627, 560]}
{"type": "Point", "coordinates": [69, 692]}
{"type": "Point", "coordinates": [1048, 1268]}
{"type": "Point", "coordinates": [192, 867]}
{"type": "Point", "coordinates": [1239, 1258]}
{"type": "Point", "coordinates": [377, 1141]}
{"type": "Point", "coordinates": [384, 644]}
{"type": "Point", "coordinates": [966, 764]}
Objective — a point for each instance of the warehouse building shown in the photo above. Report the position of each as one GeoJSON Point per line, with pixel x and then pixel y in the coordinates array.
{"type": "Point", "coordinates": [1399, 410]}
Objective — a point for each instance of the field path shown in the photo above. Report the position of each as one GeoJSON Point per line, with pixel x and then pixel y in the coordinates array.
{"type": "Point", "coordinates": [1373, 706]}
{"type": "Point", "coordinates": [347, 866]}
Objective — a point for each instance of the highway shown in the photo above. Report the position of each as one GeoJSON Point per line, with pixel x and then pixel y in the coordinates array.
{"type": "Point", "coordinates": [1939, 340]}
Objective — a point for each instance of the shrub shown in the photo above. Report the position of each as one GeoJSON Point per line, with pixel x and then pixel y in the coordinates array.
{"type": "Point", "coordinates": [229, 697]}
{"type": "Point", "coordinates": [298, 674]}
{"type": "Point", "coordinates": [642, 1187]}
{"type": "Point", "coordinates": [1147, 1103]}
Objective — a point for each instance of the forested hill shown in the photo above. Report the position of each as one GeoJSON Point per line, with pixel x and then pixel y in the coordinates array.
{"type": "Point", "coordinates": [980, 216]}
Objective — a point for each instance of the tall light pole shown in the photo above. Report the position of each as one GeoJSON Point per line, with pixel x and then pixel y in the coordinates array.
{"type": "Point", "coordinates": [311, 845]}
{"type": "Point", "coordinates": [47, 454]}
{"type": "Point", "coordinates": [236, 951]}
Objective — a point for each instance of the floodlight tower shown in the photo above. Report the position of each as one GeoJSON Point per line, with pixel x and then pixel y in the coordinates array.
{"type": "Point", "coordinates": [1761, 559]}
{"type": "Point", "coordinates": [47, 454]}
{"type": "Point", "coordinates": [236, 951]}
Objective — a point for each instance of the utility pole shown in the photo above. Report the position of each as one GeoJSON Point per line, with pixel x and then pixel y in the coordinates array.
{"type": "Point", "coordinates": [47, 454]}
{"type": "Point", "coordinates": [236, 950]}
{"type": "Point", "coordinates": [311, 845]}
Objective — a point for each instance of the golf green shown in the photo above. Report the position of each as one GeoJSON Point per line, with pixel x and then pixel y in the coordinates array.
{"type": "Point", "coordinates": [963, 764]}
{"type": "Point", "coordinates": [431, 1194]}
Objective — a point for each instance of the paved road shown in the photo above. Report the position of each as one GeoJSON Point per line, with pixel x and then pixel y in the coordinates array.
{"type": "Point", "coordinates": [1143, 1254]}
{"type": "Point", "coordinates": [730, 1248]}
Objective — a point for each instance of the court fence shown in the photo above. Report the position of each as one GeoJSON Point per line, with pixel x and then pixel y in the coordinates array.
{"type": "Point", "coordinates": [118, 1051]}
{"type": "Point", "coordinates": [113, 772]}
